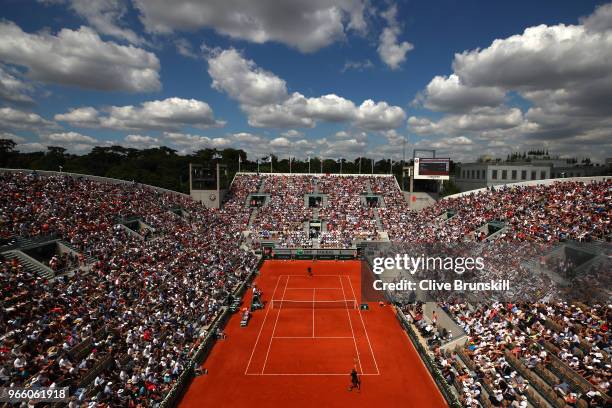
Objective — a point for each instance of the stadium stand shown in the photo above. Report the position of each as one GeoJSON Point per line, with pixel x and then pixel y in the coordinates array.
{"type": "Point", "coordinates": [123, 329]}
{"type": "Point", "coordinates": [121, 321]}
{"type": "Point", "coordinates": [284, 215]}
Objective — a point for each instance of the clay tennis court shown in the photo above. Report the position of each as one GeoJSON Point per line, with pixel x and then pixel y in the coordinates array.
{"type": "Point", "coordinates": [299, 350]}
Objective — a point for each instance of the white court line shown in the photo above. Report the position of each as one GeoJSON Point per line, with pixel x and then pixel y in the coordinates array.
{"type": "Point", "coordinates": [312, 288]}
{"type": "Point", "coordinates": [297, 374]}
{"type": "Point", "coordinates": [351, 324]}
{"type": "Point", "coordinates": [364, 326]}
{"type": "Point", "coordinates": [308, 337]}
{"type": "Point", "coordinates": [314, 275]}
{"type": "Point", "coordinates": [289, 301]}
{"type": "Point", "coordinates": [261, 328]}
{"type": "Point", "coordinates": [274, 328]}
{"type": "Point", "coordinates": [314, 292]}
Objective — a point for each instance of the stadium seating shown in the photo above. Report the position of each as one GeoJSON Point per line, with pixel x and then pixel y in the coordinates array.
{"type": "Point", "coordinates": [131, 321]}
{"type": "Point", "coordinates": [123, 328]}
{"type": "Point", "coordinates": [510, 347]}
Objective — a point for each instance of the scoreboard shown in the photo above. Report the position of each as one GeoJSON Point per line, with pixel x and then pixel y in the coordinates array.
{"type": "Point", "coordinates": [431, 169]}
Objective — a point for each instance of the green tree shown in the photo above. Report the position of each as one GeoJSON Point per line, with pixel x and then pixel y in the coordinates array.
{"type": "Point", "coordinates": [7, 151]}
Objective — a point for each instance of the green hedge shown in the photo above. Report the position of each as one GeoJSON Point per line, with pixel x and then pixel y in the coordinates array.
{"type": "Point", "coordinates": [448, 395]}
{"type": "Point", "coordinates": [173, 398]}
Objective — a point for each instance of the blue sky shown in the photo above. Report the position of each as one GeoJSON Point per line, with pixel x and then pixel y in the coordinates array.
{"type": "Point", "coordinates": [292, 78]}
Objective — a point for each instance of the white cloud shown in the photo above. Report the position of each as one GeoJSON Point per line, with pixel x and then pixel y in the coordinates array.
{"type": "Point", "coordinates": [79, 58]}
{"type": "Point", "coordinates": [379, 115]}
{"type": "Point", "coordinates": [105, 16]}
{"type": "Point", "coordinates": [68, 138]}
{"type": "Point", "coordinates": [329, 108]}
{"type": "Point", "coordinates": [163, 114]}
{"type": "Point", "coordinates": [391, 51]}
{"type": "Point", "coordinates": [346, 148]}
{"type": "Point", "coordinates": [292, 133]}
{"type": "Point", "coordinates": [243, 80]}
{"type": "Point", "coordinates": [543, 57]}
{"type": "Point", "coordinates": [264, 97]}
{"type": "Point", "coordinates": [448, 94]}
{"type": "Point", "coordinates": [247, 138]}
{"type": "Point", "coordinates": [184, 48]}
{"type": "Point", "coordinates": [459, 140]}
{"type": "Point", "coordinates": [305, 25]}
{"type": "Point", "coordinates": [80, 117]}
{"type": "Point", "coordinates": [259, 146]}
{"type": "Point", "coordinates": [280, 115]}
{"type": "Point", "coordinates": [31, 147]}
{"type": "Point", "coordinates": [13, 137]}
{"type": "Point", "coordinates": [459, 148]}
{"type": "Point", "coordinates": [140, 139]}
{"type": "Point", "coordinates": [73, 142]}
{"type": "Point", "coordinates": [563, 73]}
{"type": "Point", "coordinates": [189, 142]}
{"type": "Point", "coordinates": [357, 65]}
{"type": "Point", "coordinates": [358, 136]}
{"type": "Point", "coordinates": [16, 119]}
{"type": "Point", "coordinates": [280, 142]}
{"type": "Point", "coordinates": [167, 114]}
{"type": "Point", "coordinates": [13, 90]}
{"type": "Point", "coordinates": [478, 120]}
{"type": "Point", "coordinates": [600, 20]}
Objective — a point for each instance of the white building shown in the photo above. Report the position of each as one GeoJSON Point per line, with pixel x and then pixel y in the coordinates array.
{"type": "Point", "coordinates": [471, 176]}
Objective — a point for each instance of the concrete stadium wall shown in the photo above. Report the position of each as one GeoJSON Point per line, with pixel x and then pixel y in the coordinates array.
{"type": "Point", "coordinates": [210, 198]}
{"type": "Point", "coordinates": [90, 177]}
{"type": "Point", "coordinates": [418, 201]}
{"type": "Point", "coordinates": [533, 183]}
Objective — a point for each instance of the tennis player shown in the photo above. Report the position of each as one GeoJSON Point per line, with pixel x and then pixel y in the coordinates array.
{"type": "Point", "coordinates": [355, 381]}
{"type": "Point", "coordinates": [309, 270]}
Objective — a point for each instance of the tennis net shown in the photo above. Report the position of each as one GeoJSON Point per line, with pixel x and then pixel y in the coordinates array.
{"type": "Point", "coordinates": [313, 304]}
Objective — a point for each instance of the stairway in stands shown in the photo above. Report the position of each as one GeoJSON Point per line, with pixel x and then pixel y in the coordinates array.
{"type": "Point", "coordinates": [260, 189]}
{"type": "Point", "coordinates": [252, 217]}
{"type": "Point", "coordinates": [88, 258]}
{"type": "Point", "coordinates": [29, 263]}
{"type": "Point", "coordinates": [379, 224]}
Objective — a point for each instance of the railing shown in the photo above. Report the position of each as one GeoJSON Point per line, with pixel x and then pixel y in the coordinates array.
{"type": "Point", "coordinates": [27, 240]}
{"type": "Point", "coordinates": [531, 183]}
{"type": "Point", "coordinates": [92, 178]}
{"type": "Point", "coordinates": [310, 253]}
{"type": "Point", "coordinates": [95, 370]}
{"type": "Point", "coordinates": [536, 382]}
{"type": "Point", "coordinates": [182, 383]}
{"type": "Point", "coordinates": [437, 376]}
{"type": "Point", "coordinates": [573, 378]}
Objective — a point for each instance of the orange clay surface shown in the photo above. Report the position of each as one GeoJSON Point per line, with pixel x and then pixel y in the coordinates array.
{"type": "Point", "coordinates": [297, 355]}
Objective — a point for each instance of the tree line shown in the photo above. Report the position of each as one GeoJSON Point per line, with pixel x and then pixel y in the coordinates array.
{"type": "Point", "coordinates": [164, 167]}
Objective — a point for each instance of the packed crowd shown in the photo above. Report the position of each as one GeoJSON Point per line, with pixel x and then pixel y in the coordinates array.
{"type": "Point", "coordinates": [347, 215]}
{"type": "Point", "coordinates": [396, 212]}
{"type": "Point", "coordinates": [284, 215]}
{"type": "Point", "coordinates": [538, 214]}
{"type": "Point", "coordinates": [563, 349]}
{"type": "Point", "coordinates": [501, 260]}
{"type": "Point", "coordinates": [135, 315]}
{"type": "Point", "coordinates": [541, 213]}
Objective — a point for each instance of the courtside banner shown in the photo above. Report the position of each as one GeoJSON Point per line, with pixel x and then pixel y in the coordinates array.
{"type": "Point", "coordinates": [486, 271]}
